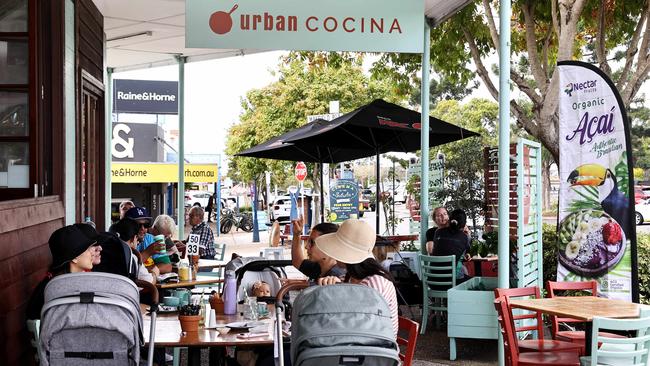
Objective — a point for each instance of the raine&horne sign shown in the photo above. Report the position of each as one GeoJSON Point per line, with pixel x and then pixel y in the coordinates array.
{"type": "Point", "coordinates": [334, 25]}
{"type": "Point", "coordinates": [145, 96]}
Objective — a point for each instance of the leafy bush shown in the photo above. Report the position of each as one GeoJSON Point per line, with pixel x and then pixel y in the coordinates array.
{"type": "Point", "coordinates": [643, 254]}
{"type": "Point", "coordinates": [549, 249]}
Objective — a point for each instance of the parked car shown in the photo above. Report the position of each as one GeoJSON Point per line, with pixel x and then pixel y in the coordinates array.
{"type": "Point", "coordinates": [281, 209]}
{"type": "Point", "coordinates": [197, 198]}
{"type": "Point", "coordinates": [639, 195]}
{"type": "Point", "coordinates": [642, 211]}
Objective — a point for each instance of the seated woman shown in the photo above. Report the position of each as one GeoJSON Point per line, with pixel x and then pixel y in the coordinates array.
{"type": "Point", "coordinates": [351, 246]}
{"type": "Point", "coordinates": [72, 251]}
{"type": "Point", "coordinates": [453, 240]}
{"type": "Point", "coordinates": [441, 218]}
{"type": "Point", "coordinates": [317, 264]}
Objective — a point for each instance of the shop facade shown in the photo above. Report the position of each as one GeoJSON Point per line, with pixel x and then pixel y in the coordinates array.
{"type": "Point", "coordinates": [52, 151]}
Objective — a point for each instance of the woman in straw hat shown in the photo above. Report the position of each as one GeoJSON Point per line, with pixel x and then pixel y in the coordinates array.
{"type": "Point", "coordinates": [352, 246]}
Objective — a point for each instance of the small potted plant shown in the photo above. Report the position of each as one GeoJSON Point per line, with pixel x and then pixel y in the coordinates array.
{"type": "Point", "coordinates": [189, 317]}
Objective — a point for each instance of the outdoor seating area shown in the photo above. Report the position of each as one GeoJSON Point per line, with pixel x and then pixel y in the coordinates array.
{"type": "Point", "coordinates": [314, 183]}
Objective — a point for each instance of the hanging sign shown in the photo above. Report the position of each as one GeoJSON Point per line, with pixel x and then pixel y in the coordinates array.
{"type": "Point", "coordinates": [335, 25]}
{"type": "Point", "coordinates": [596, 232]}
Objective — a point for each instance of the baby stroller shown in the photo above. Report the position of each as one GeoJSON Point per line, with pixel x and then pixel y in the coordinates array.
{"type": "Point", "coordinates": [93, 319]}
{"type": "Point", "coordinates": [249, 270]}
{"type": "Point", "coordinates": [344, 324]}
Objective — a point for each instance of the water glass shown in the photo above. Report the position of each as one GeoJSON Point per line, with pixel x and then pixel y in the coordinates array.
{"type": "Point", "coordinates": [251, 309]}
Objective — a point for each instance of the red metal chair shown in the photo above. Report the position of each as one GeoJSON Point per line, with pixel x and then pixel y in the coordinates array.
{"type": "Point", "coordinates": [409, 328]}
{"type": "Point", "coordinates": [512, 355]}
{"type": "Point", "coordinates": [533, 345]}
{"type": "Point", "coordinates": [574, 336]}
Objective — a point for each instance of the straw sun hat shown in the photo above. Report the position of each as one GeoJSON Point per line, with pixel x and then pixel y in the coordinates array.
{"type": "Point", "coordinates": [351, 244]}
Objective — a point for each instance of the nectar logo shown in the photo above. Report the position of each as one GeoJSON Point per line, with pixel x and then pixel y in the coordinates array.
{"type": "Point", "coordinates": [588, 86]}
{"type": "Point", "coordinates": [221, 22]}
{"type": "Point", "coordinates": [568, 89]}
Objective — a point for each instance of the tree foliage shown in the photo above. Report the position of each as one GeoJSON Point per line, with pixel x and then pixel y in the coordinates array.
{"type": "Point", "coordinates": [543, 32]}
{"type": "Point", "coordinates": [464, 186]}
{"type": "Point", "coordinates": [306, 83]}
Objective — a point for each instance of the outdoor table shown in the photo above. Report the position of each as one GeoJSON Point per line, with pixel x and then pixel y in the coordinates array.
{"type": "Point", "coordinates": [583, 308]}
{"type": "Point", "coordinates": [199, 280]}
{"type": "Point", "coordinates": [169, 334]}
{"type": "Point", "coordinates": [211, 264]}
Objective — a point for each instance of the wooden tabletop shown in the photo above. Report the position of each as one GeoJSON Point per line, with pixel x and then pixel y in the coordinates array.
{"type": "Point", "coordinates": [169, 334]}
{"type": "Point", "coordinates": [211, 263]}
{"type": "Point", "coordinates": [583, 308]}
{"type": "Point", "coordinates": [410, 237]}
{"type": "Point", "coordinates": [200, 280]}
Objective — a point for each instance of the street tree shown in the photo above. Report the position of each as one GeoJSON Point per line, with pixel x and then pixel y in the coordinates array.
{"type": "Point", "coordinates": [612, 34]}
{"type": "Point", "coordinates": [306, 83]}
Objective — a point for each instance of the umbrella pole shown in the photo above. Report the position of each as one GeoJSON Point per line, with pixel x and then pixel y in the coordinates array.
{"type": "Point", "coordinates": [377, 198]}
{"type": "Point", "coordinates": [322, 195]}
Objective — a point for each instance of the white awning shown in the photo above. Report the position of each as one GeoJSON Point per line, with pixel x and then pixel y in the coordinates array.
{"type": "Point", "coordinates": [149, 33]}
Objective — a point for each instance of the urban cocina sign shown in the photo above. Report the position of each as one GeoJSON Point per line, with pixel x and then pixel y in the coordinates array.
{"type": "Point", "coordinates": [335, 25]}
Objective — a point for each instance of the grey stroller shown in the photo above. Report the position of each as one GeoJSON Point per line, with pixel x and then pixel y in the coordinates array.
{"type": "Point", "coordinates": [93, 319]}
{"type": "Point", "coordinates": [343, 324]}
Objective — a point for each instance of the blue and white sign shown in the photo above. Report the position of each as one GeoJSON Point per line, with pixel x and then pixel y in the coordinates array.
{"type": "Point", "coordinates": [334, 25]}
{"type": "Point", "coordinates": [344, 200]}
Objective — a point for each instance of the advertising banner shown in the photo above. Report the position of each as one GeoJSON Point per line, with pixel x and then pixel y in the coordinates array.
{"type": "Point", "coordinates": [139, 142]}
{"type": "Point", "coordinates": [145, 96]}
{"type": "Point", "coordinates": [161, 173]}
{"type": "Point", "coordinates": [596, 231]}
{"type": "Point", "coordinates": [344, 200]}
{"type": "Point", "coordinates": [335, 25]}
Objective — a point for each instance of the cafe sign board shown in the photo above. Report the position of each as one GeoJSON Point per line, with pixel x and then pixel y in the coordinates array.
{"type": "Point", "coordinates": [334, 25]}
{"type": "Point", "coordinates": [161, 173]}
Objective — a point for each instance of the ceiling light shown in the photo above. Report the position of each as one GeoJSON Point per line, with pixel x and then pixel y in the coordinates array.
{"type": "Point", "coordinates": [132, 35]}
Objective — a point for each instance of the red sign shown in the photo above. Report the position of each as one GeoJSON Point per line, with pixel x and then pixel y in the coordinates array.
{"type": "Point", "coordinates": [301, 171]}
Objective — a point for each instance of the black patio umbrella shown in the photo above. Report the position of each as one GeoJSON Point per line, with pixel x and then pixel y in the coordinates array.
{"type": "Point", "coordinates": [278, 149]}
{"type": "Point", "coordinates": [379, 127]}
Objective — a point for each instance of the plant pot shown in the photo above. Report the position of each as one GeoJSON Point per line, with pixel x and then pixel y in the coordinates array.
{"type": "Point", "coordinates": [189, 323]}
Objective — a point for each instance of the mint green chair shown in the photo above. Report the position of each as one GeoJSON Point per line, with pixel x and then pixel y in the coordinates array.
{"type": "Point", "coordinates": [632, 351]}
{"type": "Point", "coordinates": [440, 273]}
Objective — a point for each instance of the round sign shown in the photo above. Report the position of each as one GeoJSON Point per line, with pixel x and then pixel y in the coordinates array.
{"type": "Point", "coordinates": [301, 171]}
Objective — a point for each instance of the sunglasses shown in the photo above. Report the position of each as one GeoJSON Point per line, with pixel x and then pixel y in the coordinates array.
{"type": "Point", "coordinates": [146, 226]}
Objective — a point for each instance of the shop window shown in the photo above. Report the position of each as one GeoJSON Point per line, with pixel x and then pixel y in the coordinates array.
{"type": "Point", "coordinates": [16, 98]}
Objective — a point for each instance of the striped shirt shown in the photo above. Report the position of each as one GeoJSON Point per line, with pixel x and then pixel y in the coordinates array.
{"type": "Point", "coordinates": [387, 290]}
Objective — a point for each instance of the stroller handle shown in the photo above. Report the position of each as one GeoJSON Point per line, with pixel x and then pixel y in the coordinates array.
{"type": "Point", "coordinates": [290, 285]}
{"type": "Point", "coordinates": [149, 288]}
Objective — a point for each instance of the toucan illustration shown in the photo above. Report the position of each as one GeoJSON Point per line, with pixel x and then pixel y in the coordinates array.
{"type": "Point", "coordinates": [613, 201]}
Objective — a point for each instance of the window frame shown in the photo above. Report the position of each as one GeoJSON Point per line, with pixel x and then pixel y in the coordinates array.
{"type": "Point", "coordinates": [31, 88]}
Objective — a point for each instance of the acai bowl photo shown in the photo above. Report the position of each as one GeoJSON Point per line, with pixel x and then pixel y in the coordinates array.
{"type": "Point", "coordinates": [590, 242]}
